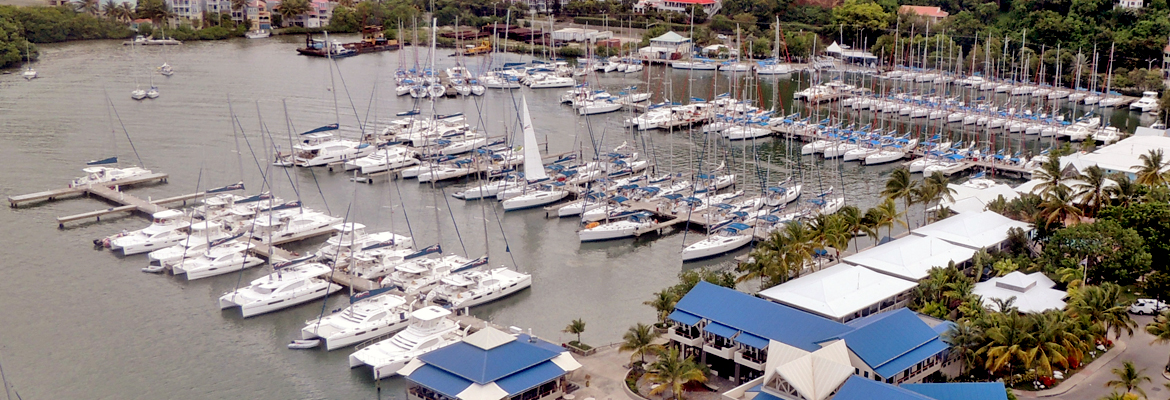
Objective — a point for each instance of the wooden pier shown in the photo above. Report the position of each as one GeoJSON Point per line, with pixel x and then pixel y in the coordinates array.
{"type": "Point", "coordinates": [50, 195]}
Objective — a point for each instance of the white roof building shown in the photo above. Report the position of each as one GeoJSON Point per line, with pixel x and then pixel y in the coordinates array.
{"type": "Point", "coordinates": [972, 200]}
{"type": "Point", "coordinates": [974, 231]}
{"type": "Point", "coordinates": [1034, 292]}
{"type": "Point", "coordinates": [667, 45]}
{"type": "Point", "coordinates": [912, 257]}
{"type": "Point", "coordinates": [1125, 155]}
{"type": "Point", "coordinates": [842, 292]}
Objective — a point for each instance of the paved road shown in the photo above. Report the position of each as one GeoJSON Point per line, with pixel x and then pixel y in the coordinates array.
{"type": "Point", "coordinates": [1142, 353]}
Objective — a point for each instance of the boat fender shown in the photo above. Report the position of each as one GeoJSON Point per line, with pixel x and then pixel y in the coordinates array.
{"type": "Point", "coordinates": [592, 225]}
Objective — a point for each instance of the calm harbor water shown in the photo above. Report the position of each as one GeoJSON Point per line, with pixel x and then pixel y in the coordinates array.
{"type": "Point", "coordinates": [83, 323]}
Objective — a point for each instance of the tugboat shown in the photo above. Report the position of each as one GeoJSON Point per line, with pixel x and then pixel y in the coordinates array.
{"type": "Point", "coordinates": [372, 41]}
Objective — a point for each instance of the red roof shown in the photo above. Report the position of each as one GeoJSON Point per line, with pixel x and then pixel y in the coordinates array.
{"type": "Point", "coordinates": [924, 11]}
{"type": "Point", "coordinates": [692, 1]}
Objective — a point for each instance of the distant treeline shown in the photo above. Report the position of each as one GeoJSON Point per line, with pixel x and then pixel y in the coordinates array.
{"type": "Point", "coordinates": [21, 25]}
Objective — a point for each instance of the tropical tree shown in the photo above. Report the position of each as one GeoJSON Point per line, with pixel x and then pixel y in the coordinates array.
{"type": "Point", "coordinates": [1008, 334]}
{"type": "Point", "coordinates": [1129, 377]}
{"type": "Point", "coordinates": [1058, 207]}
{"type": "Point", "coordinates": [577, 327]}
{"type": "Point", "coordinates": [663, 302]}
{"type": "Point", "coordinates": [1102, 306]}
{"type": "Point", "coordinates": [1152, 170]}
{"type": "Point", "coordinates": [831, 231]}
{"type": "Point", "coordinates": [888, 213]}
{"type": "Point", "coordinates": [901, 186]}
{"type": "Point", "coordinates": [1051, 343]}
{"type": "Point", "coordinates": [672, 371]}
{"type": "Point", "coordinates": [964, 338]}
{"type": "Point", "coordinates": [639, 339]}
{"type": "Point", "coordinates": [1124, 191]}
{"type": "Point", "coordinates": [854, 222]}
{"type": "Point", "coordinates": [290, 9]}
{"type": "Point", "coordinates": [1049, 174]}
{"type": "Point", "coordinates": [935, 188]}
{"type": "Point", "coordinates": [1160, 330]}
{"type": "Point", "coordinates": [110, 9]}
{"type": "Point", "coordinates": [1092, 190]}
{"type": "Point", "coordinates": [90, 7]}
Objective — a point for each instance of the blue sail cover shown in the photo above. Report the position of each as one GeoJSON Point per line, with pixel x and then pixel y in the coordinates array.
{"type": "Point", "coordinates": [255, 198]}
{"type": "Point", "coordinates": [228, 188]}
{"type": "Point", "coordinates": [483, 260]}
{"type": "Point", "coordinates": [434, 248]}
{"type": "Point", "coordinates": [379, 245]}
{"type": "Point", "coordinates": [367, 294]}
{"type": "Point", "coordinates": [103, 161]}
{"type": "Point", "coordinates": [285, 264]}
{"type": "Point", "coordinates": [285, 206]}
{"type": "Point", "coordinates": [218, 242]}
{"type": "Point", "coordinates": [326, 128]}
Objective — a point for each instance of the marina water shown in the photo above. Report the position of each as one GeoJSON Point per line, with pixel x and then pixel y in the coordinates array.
{"type": "Point", "coordinates": [83, 323]}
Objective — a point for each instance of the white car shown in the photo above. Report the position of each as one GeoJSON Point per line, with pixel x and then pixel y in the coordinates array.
{"type": "Point", "coordinates": [1147, 307]}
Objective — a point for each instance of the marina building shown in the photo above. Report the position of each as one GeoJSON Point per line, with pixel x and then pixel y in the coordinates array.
{"type": "Point", "coordinates": [930, 14]}
{"type": "Point", "coordinates": [843, 292]}
{"type": "Point", "coordinates": [710, 7]}
{"type": "Point", "coordinates": [740, 337]}
{"type": "Point", "coordinates": [912, 257]}
{"type": "Point", "coordinates": [1124, 156]}
{"type": "Point", "coordinates": [974, 231]}
{"type": "Point", "coordinates": [491, 365]}
{"type": "Point", "coordinates": [1033, 293]}
{"type": "Point", "coordinates": [972, 200]}
{"type": "Point", "coordinates": [669, 46]}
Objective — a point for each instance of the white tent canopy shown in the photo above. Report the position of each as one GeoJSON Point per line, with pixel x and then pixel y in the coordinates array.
{"type": "Point", "coordinates": [911, 257]}
{"type": "Point", "coordinates": [833, 48]}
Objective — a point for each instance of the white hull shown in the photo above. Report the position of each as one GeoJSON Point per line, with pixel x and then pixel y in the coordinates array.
{"type": "Point", "coordinates": [313, 291]}
{"type": "Point", "coordinates": [534, 199]}
{"type": "Point", "coordinates": [714, 246]}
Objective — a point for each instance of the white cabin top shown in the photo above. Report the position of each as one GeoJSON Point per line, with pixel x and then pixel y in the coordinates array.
{"type": "Point", "coordinates": [430, 313]}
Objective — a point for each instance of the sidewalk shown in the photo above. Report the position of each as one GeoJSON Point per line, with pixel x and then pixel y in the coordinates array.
{"type": "Point", "coordinates": [1072, 382]}
{"type": "Point", "coordinates": [606, 370]}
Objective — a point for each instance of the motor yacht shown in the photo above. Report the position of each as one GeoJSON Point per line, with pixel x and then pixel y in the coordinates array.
{"type": "Point", "coordinates": [472, 288]}
{"type": "Point", "coordinates": [369, 315]}
{"type": "Point", "coordinates": [167, 229]}
{"type": "Point", "coordinates": [217, 260]}
{"type": "Point", "coordinates": [429, 329]}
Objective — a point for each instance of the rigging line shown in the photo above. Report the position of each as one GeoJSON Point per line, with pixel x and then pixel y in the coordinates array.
{"type": "Point", "coordinates": [361, 125]}
{"type": "Point", "coordinates": [252, 230]}
{"type": "Point", "coordinates": [507, 247]}
{"type": "Point", "coordinates": [318, 183]}
{"type": "Point", "coordinates": [187, 242]}
{"type": "Point", "coordinates": [292, 156]}
{"type": "Point", "coordinates": [333, 265]}
{"type": "Point", "coordinates": [263, 175]}
{"type": "Point", "coordinates": [236, 138]}
{"type": "Point", "coordinates": [286, 173]}
{"type": "Point", "coordinates": [404, 213]}
{"type": "Point", "coordinates": [443, 192]}
{"type": "Point", "coordinates": [127, 133]}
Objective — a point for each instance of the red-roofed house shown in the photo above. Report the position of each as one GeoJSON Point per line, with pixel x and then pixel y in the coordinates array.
{"type": "Point", "coordinates": [710, 7]}
{"type": "Point", "coordinates": [932, 14]}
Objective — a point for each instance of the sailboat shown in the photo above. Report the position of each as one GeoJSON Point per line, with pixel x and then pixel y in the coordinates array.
{"type": "Point", "coordinates": [540, 192]}
{"type": "Point", "coordinates": [153, 92]}
{"type": "Point", "coordinates": [370, 314]}
{"type": "Point", "coordinates": [137, 93]}
{"type": "Point", "coordinates": [29, 72]}
{"type": "Point", "coordinates": [164, 69]}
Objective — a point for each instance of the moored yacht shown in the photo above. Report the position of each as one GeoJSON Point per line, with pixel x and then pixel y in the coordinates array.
{"type": "Point", "coordinates": [287, 287]}
{"type": "Point", "coordinates": [167, 229]}
{"type": "Point", "coordinates": [429, 329]}
{"type": "Point", "coordinates": [369, 315]}
{"type": "Point", "coordinates": [726, 239]}
{"type": "Point", "coordinates": [218, 260]}
{"type": "Point", "coordinates": [472, 288]}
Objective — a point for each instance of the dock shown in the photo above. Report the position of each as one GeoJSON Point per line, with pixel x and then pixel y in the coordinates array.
{"type": "Point", "coordinates": [50, 195]}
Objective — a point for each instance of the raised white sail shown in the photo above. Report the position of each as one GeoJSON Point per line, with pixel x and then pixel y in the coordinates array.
{"type": "Point", "coordinates": [533, 165]}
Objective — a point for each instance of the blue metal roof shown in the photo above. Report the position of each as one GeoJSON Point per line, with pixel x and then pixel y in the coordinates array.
{"type": "Point", "coordinates": [759, 317]}
{"type": "Point", "coordinates": [960, 391]}
{"type": "Point", "coordinates": [684, 317]}
{"type": "Point", "coordinates": [882, 338]}
{"type": "Point", "coordinates": [762, 395]}
{"type": "Point", "coordinates": [721, 330]}
{"type": "Point", "coordinates": [484, 366]}
{"type": "Point", "coordinates": [752, 340]}
{"type": "Point", "coordinates": [527, 379]}
{"type": "Point", "coordinates": [905, 361]}
{"type": "Point", "coordinates": [440, 381]}
{"type": "Point", "coordinates": [858, 388]}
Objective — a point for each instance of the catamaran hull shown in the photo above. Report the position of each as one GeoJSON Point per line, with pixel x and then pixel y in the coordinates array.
{"type": "Point", "coordinates": [345, 339]}
{"type": "Point", "coordinates": [711, 247]}
{"type": "Point", "coordinates": [500, 293]}
{"type": "Point", "coordinates": [267, 306]}
{"type": "Point", "coordinates": [214, 270]}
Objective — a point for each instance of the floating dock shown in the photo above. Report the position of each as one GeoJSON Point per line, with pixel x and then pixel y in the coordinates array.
{"type": "Point", "coordinates": [51, 195]}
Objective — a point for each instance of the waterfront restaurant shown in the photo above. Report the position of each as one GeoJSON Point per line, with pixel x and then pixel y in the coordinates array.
{"type": "Point", "coordinates": [912, 257]}
{"type": "Point", "coordinates": [736, 335]}
{"type": "Point", "coordinates": [491, 365]}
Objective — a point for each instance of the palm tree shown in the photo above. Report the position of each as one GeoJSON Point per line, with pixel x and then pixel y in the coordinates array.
{"type": "Point", "coordinates": [1092, 190]}
{"type": "Point", "coordinates": [800, 246]}
{"type": "Point", "coordinates": [88, 6]}
{"type": "Point", "coordinates": [964, 337]}
{"type": "Point", "coordinates": [831, 231]}
{"type": "Point", "coordinates": [1116, 396]}
{"type": "Point", "coordinates": [1160, 329]}
{"type": "Point", "coordinates": [889, 214]}
{"type": "Point", "coordinates": [1151, 171]}
{"type": "Point", "coordinates": [576, 328]}
{"type": "Point", "coordinates": [854, 222]}
{"type": "Point", "coordinates": [1129, 377]}
{"type": "Point", "coordinates": [290, 9]}
{"type": "Point", "coordinates": [663, 302]}
{"type": "Point", "coordinates": [1125, 191]}
{"type": "Point", "coordinates": [672, 371]}
{"type": "Point", "coordinates": [640, 340]}
{"type": "Point", "coordinates": [936, 188]}
{"type": "Point", "coordinates": [1049, 174]}
{"type": "Point", "coordinates": [1058, 206]}
{"type": "Point", "coordinates": [1102, 306]}
{"type": "Point", "coordinates": [1008, 334]}
{"type": "Point", "coordinates": [1049, 345]}
{"type": "Point", "coordinates": [110, 9]}
{"type": "Point", "coordinates": [901, 186]}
